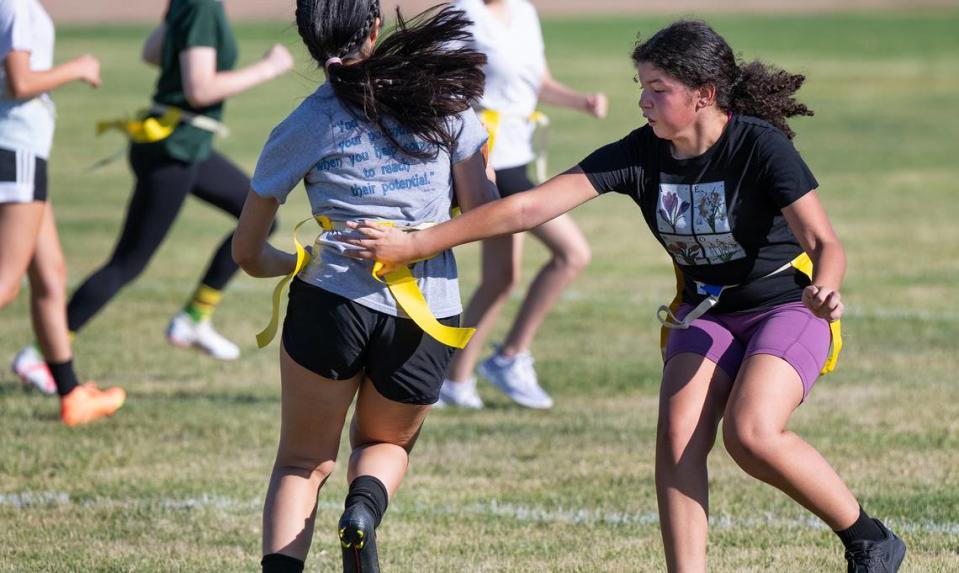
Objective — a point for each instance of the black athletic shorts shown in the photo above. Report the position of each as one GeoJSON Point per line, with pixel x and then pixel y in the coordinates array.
{"type": "Point", "coordinates": [337, 338]}
{"type": "Point", "coordinates": [513, 180]}
{"type": "Point", "coordinates": [23, 177]}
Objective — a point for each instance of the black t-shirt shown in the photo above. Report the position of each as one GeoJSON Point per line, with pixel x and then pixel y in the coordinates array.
{"type": "Point", "coordinates": [719, 215]}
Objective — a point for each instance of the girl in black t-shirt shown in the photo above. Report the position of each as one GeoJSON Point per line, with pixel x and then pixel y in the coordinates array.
{"type": "Point", "coordinates": [727, 195]}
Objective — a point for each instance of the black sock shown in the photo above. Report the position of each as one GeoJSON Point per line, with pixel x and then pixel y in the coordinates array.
{"type": "Point", "coordinates": [64, 376]}
{"type": "Point", "coordinates": [279, 563]}
{"type": "Point", "coordinates": [865, 529]}
{"type": "Point", "coordinates": [370, 492]}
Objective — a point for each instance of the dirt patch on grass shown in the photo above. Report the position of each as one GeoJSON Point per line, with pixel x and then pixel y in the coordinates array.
{"type": "Point", "coordinates": [110, 11]}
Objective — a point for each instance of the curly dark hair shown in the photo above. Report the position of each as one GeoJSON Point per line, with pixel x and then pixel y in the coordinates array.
{"type": "Point", "coordinates": [419, 75]}
{"type": "Point", "coordinates": [693, 53]}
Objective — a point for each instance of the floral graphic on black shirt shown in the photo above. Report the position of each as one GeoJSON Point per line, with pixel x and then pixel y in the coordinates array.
{"type": "Point", "coordinates": [672, 209]}
{"type": "Point", "coordinates": [688, 252]}
{"type": "Point", "coordinates": [693, 222]}
{"type": "Point", "coordinates": [722, 247]}
{"type": "Point", "coordinates": [711, 207]}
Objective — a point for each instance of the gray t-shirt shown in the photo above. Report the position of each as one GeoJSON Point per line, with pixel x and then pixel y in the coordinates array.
{"type": "Point", "coordinates": [351, 172]}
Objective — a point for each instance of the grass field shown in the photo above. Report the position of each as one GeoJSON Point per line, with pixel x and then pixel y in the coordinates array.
{"type": "Point", "coordinates": [175, 481]}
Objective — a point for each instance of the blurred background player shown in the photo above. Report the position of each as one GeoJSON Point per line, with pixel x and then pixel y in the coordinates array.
{"type": "Point", "coordinates": [28, 234]}
{"type": "Point", "coordinates": [517, 77]}
{"type": "Point", "coordinates": [195, 50]}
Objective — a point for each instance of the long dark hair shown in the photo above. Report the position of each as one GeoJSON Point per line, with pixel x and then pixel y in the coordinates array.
{"type": "Point", "coordinates": [416, 75]}
{"type": "Point", "coordinates": [694, 54]}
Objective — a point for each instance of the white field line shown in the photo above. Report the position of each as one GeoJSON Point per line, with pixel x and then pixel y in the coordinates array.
{"type": "Point", "coordinates": [584, 516]}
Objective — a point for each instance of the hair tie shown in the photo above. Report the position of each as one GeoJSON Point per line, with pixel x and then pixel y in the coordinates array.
{"type": "Point", "coordinates": [332, 61]}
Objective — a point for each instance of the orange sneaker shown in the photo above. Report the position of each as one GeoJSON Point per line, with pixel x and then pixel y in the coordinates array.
{"type": "Point", "coordinates": [87, 403]}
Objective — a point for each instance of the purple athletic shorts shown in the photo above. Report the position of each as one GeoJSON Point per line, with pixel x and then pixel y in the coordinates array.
{"type": "Point", "coordinates": [788, 331]}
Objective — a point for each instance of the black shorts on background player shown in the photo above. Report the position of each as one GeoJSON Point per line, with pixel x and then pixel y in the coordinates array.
{"type": "Point", "coordinates": [513, 180]}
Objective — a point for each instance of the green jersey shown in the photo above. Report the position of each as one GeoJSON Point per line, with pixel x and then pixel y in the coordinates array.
{"type": "Point", "coordinates": [190, 24]}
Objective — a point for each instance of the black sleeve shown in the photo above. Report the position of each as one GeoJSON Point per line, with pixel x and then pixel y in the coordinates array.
{"type": "Point", "coordinates": [785, 176]}
{"type": "Point", "coordinates": [615, 167]}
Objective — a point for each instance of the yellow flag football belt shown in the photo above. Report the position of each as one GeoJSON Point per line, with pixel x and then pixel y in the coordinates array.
{"type": "Point", "coordinates": [401, 284]}
{"type": "Point", "coordinates": [159, 122]}
{"type": "Point", "coordinates": [668, 319]}
{"type": "Point", "coordinates": [492, 119]}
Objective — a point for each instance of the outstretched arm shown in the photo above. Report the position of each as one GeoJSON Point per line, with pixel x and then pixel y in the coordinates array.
{"type": "Point", "coordinates": [519, 212]}
{"type": "Point", "coordinates": [808, 221]}
{"type": "Point", "coordinates": [203, 85]}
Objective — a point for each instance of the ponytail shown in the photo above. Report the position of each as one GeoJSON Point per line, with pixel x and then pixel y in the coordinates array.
{"type": "Point", "coordinates": [417, 76]}
{"type": "Point", "coordinates": [767, 93]}
{"type": "Point", "coordinates": [694, 54]}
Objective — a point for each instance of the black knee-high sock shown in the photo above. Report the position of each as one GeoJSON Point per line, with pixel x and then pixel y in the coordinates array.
{"type": "Point", "coordinates": [279, 563]}
{"type": "Point", "coordinates": [370, 492]}
{"type": "Point", "coordinates": [64, 376]}
{"type": "Point", "coordinates": [865, 529]}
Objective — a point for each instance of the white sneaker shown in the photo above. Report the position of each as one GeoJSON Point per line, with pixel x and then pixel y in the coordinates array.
{"type": "Point", "coordinates": [516, 377]}
{"type": "Point", "coordinates": [460, 395]}
{"type": "Point", "coordinates": [184, 332]}
{"type": "Point", "coordinates": [32, 369]}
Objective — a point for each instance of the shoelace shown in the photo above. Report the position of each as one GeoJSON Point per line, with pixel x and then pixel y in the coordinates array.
{"type": "Point", "coordinates": [862, 558]}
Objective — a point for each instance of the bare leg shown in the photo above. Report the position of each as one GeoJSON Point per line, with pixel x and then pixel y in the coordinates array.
{"type": "Point", "coordinates": [691, 402]}
{"type": "Point", "coordinates": [314, 411]}
{"type": "Point", "coordinates": [570, 255]}
{"type": "Point", "coordinates": [19, 226]}
{"type": "Point", "coordinates": [766, 392]}
{"type": "Point", "coordinates": [500, 273]}
{"type": "Point", "coordinates": [382, 435]}
{"type": "Point", "coordinates": [48, 301]}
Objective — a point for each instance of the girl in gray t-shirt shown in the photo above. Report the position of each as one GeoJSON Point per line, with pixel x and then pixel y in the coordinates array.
{"type": "Point", "coordinates": [388, 137]}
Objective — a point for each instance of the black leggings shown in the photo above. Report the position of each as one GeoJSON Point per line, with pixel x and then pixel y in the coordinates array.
{"type": "Point", "coordinates": [162, 186]}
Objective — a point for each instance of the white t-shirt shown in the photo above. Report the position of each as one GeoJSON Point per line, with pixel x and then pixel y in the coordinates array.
{"type": "Point", "coordinates": [26, 124]}
{"type": "Point", "coordinates": [516, 61]}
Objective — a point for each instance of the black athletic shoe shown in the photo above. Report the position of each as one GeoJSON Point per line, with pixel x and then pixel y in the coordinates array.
{"type": "Point", "coordinates": [358, 540]}
{"type": "Point", "coordinates": [876, 556]}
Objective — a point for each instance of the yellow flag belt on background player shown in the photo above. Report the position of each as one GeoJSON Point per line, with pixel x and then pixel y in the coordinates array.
{"type": "Point", "coordinates": [491, 120]}
{"type": "Point", "coordinates": [154, 124]}
{"type": "Point", "coordinates": [400, 282]}
{"type": "Point", "coordinates": [146, 130]}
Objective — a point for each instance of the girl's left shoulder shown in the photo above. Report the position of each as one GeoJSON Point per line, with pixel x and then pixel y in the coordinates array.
{"type": "Point", "coordinates": [759, 132]}
{"type": "Point", "coordinates": [753, 125]}
{"type": "Point", "coordinates": [758, 127]}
